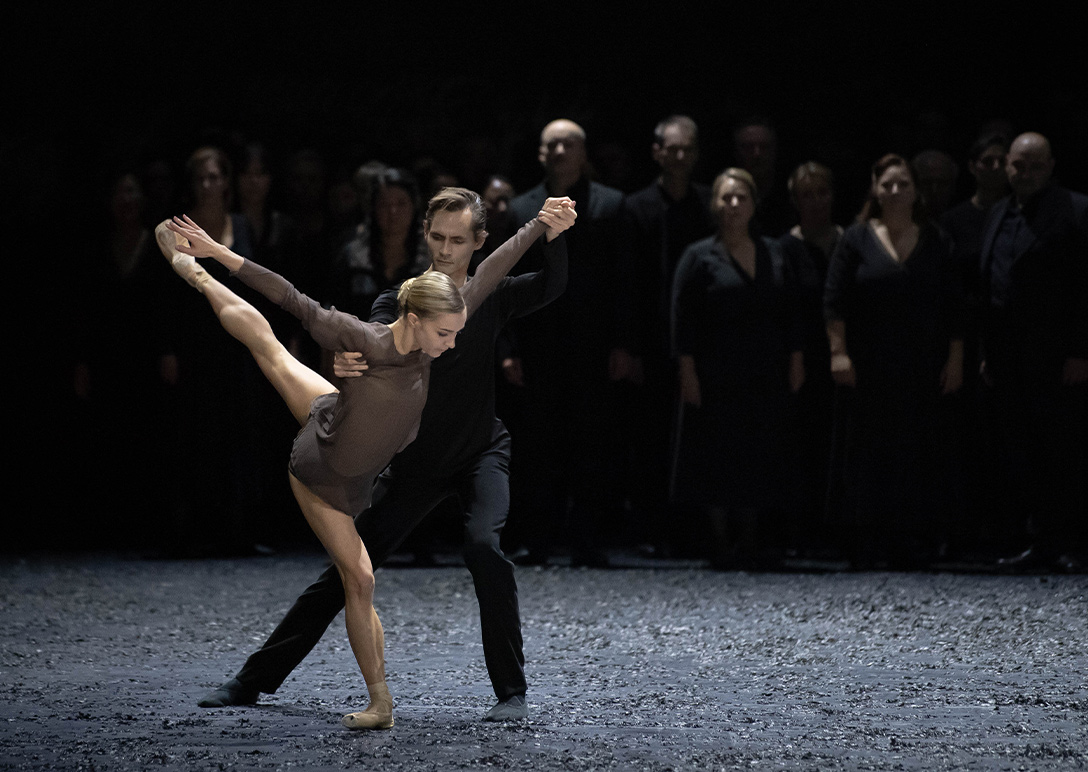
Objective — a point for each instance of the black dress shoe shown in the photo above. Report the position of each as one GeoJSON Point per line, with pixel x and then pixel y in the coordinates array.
{"type": "Point", "coordinates": [1030, 559]}
{"type": "Point", "coordinates": [511, 709]}
{"type": "Point", "coordinates": [233, 692]}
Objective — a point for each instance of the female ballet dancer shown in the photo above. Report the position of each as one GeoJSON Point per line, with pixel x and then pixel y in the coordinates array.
{"type": "Point", "coordinates": [348, 437]}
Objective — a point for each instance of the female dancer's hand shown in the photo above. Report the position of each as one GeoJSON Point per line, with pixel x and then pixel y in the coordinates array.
{"type": "Point", "coordinates": [558, 214]}
{"type": "Point", "coordinates": [200, 243]}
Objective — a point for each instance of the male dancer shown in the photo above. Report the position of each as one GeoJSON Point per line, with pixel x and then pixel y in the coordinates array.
{"type": "Point", "coordinates": [462, 449]}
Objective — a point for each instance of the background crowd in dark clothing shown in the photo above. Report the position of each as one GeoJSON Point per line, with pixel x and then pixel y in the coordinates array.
{"type": "Point", "coordinates": [759, 456]}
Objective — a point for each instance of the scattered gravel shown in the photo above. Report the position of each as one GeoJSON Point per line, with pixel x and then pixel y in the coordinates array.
{"type": "Point", "coordinates": [102, 660]}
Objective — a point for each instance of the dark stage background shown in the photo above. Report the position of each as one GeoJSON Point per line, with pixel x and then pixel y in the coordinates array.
{"type": "Point", "coordinates": [89, 90]}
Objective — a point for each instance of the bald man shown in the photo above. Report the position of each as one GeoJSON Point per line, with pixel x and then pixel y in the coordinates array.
{"type": "Point", "coordinates": [563, 443]}
{"type": "Point", "coordinates": [1034, 287]}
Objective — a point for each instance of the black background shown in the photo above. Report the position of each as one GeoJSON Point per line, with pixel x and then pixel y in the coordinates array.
{"type": "Point", "coordinates": [90, 90]}
{"type": "Point", "coordinates": [845, 82]}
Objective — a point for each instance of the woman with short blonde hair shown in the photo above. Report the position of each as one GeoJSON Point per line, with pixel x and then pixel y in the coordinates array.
{"type": "Point", "coordinates": [737, 342]}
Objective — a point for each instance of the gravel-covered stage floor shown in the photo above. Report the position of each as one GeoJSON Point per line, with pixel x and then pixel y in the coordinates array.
{"type": "Point", "coordinates": [675, 667]}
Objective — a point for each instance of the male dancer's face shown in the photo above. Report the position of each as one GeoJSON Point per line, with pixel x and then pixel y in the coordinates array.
{"type": "Point", "coordinates": [451, 242]}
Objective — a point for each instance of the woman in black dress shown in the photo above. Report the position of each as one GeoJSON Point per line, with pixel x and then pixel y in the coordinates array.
{"type": "Point", "coordinates": [211, 382]}
{"type": "Point", "coordinates": [738, 341]}
{"type": "Point", "coordinates": [808, 247]}
{"type": "Point", "coordinates": [893, 307]}
{"type": "Point", "coordinates": [386, 249]}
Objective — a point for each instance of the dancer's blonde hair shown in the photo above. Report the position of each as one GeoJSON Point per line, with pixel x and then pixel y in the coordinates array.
{"type": "Point", "coordinates": [429, 295]}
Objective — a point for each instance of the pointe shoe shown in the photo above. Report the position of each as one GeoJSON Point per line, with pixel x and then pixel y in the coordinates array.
{"type": "Point", "coordinates": [368, 720]}
{"type": "Point", "coordinates": [184, 265]}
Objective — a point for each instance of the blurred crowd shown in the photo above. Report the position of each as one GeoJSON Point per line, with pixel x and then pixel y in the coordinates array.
{"type": "Point", "coordinates": [735, 372]}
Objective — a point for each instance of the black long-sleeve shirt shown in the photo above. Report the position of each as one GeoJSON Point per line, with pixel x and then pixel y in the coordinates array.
{"type": "Point", "coordinates": [458, 421]}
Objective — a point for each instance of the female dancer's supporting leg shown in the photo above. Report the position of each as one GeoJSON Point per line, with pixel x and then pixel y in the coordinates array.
{"type": "Point", "coordinates": [299, 386]}
{"type": "Point", "coordinates": [337, 533]}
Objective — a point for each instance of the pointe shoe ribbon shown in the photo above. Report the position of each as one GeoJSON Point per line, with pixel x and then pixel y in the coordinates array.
{"type": "Point", "coordinates": [368, 720]}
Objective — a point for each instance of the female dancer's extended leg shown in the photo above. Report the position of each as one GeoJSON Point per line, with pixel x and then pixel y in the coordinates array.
{"type": "Point", "coordinates": [299, 386]}
{"type": "Point", "coordinates": [296, 383]}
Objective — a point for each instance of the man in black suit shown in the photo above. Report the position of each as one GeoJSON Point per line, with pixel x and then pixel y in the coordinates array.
{"type": "Point", "coordinates": [564, 356]}
{"type": "Point", "coordinates": [1035, 350]}
{"type": "Point", "coordinates": [659, 222]}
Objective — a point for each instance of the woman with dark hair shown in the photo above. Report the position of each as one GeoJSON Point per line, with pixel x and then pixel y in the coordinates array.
{"type": "Point", "coordinates": [348, 437]}
{"type": "Point", "coordinates": [808, 247]}
{"type": "Point", "coordinates": [738, 341]}
{"type": "Point", "coordinates": [965, 224]}
{"type": "Point", "coordinates": [211, 382]}
{"type": "Point", "coordinates": [894, 323]}
{"type": "Point", "coordinates": [277, 245]}
{"type": "Point", "coordinates": [210, 175]}
{"type": "Point", "coordinates": [276, 240]}
{"type": "Point", "coordinates": [117, 367]}
{"type": "Point", "coordinates": [386, 249]}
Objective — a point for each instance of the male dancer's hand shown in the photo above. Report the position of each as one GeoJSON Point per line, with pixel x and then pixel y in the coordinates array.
{"type": "Point", "coordinates": [348, 364]}
{"type": "Point", "coordinates": [558, 214]}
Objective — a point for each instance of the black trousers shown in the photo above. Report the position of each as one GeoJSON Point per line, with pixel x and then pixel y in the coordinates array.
{"type": "Point", "coordinates": [565, 449]}
{"type": "Point", "coordinates": [400, 502]}
{"type": "Point", "coordinates": [1041, 430]}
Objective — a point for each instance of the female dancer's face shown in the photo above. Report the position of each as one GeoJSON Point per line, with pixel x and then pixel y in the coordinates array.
{"type": "Point", "coordinates": [438, 333]}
